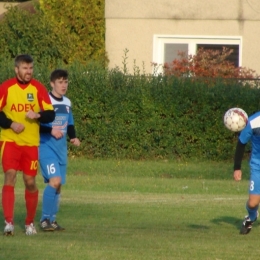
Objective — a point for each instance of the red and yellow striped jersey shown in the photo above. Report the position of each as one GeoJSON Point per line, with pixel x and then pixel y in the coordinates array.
{"type": "Point", "coordinates": [16, 99]}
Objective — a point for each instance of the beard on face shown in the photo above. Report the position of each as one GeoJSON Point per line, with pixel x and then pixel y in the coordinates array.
{"type": "Point", "coordinates": [24, 77]}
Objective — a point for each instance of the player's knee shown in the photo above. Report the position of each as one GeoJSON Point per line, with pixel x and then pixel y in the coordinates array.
{"type": "Point", "coordinates": [55, 183]}
{"type": "Point", "coordinates": [31, 186]}
{"type": "Point", "coordinates": [10, 177]}
{"type": "Point", "coordinates": [30, 183]}
{"type": "Point", "coordinates": [253, 203]}
{"type": "Point", "coordinates": [56, 186]}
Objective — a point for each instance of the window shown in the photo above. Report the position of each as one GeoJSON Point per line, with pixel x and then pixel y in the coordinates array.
{"type": "Point", "coordinates": [166, 47]}
{"type": "Point", "coordinates": [171, 51]}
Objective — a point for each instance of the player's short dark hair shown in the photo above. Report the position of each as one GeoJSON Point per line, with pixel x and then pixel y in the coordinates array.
{"type": "Point", "coordinates": [22, 58]}
{"type": "Point", "coordinates": [59, 74]}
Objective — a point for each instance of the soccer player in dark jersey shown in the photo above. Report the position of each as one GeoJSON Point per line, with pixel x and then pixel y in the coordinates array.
{"type": "Point", "coordinates": [53, 149]}
{"type": "Point", "coordinates": [24, 102]}
{"type": "Point", "coordinates": [250, 133]}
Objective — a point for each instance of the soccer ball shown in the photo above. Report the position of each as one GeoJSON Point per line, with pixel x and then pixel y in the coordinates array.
{"type": "Point", "coordinates": [235, 119]}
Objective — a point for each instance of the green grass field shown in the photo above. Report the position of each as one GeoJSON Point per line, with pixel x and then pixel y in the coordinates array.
{"type": "Point", "coordinates": [140, 210]}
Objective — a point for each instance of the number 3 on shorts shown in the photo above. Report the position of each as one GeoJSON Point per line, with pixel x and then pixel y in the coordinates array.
{"type": "Point", "coordinates": [252, 185]}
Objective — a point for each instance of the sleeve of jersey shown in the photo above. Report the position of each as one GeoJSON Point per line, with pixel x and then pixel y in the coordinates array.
{"type": "Point", "coordinates": [44, 129]}
{"type": "Point", "coordinates": [244, 137]}
{"type": "Point", "coordinates": [4, 121]}
{"type": "Point", "coordinates": [3, 94]}
{"type": "Point", "coordinates": [71, 129]}
{"type": "Point", "coordinates": [47, 116]}
{"type": "Point", "coordinates": [246, 134]}
{"type": "Point", "coordinates": [70, 119]}
{"type": "Point", "coordinates": [43, 97]}
{"type": "Point", "coordinates": [240, 149]}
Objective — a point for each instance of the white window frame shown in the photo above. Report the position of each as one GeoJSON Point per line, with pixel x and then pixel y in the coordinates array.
{"type": "Point", "coordinates": [159, 42]}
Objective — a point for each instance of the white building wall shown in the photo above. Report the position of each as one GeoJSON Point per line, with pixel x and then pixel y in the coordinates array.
{"type": "Point", "coordinates": [132, 24]}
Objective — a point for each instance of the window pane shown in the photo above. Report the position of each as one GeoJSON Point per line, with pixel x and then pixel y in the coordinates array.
{"type": "Point", "coordinates": [171, 51]}
{"type": "Point", "coordinates": [234, 56]}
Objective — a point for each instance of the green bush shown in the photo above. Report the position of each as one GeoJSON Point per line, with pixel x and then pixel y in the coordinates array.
{"type": "Point", "coordinates": [148, 117]}
{"type": "Point", "coordinates": [125, 116]}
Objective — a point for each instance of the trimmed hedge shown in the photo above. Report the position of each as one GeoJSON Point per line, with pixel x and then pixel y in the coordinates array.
{"type": "Point", "coordinates": [141, 117]}
{"type": "Point", "coordinates": [147, 117]}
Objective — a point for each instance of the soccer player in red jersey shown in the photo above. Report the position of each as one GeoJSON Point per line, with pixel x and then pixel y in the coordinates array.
{"type": "Point", "coordinates": [24, 103]}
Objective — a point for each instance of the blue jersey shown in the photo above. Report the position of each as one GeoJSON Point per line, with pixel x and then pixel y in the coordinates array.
{"type": "Point", "coordinates": [64, 117]}
{"type": "Point", "coordinates": [252, 133]}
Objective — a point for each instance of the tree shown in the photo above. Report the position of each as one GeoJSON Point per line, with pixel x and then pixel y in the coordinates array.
{"type": "Point", "coordinates": [24, 32]}
{"type": "Point", "coordinates": [207, 63]}
{"type": "Point", "coordinates": [12, 1]}
{"type": "Point", "coordinates": [55, 31]}
{"type": "Point", "coordinates": [80, 27]}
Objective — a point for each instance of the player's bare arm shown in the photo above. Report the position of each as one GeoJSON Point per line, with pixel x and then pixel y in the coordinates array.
{"type": "Point", "coordinates": [75, 141]}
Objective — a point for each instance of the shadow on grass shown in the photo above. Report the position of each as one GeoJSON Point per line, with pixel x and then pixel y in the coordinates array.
{"type": "Point", "coordinates": [228, 220]}
{"type": "Point", "coordinates": [198, 227]}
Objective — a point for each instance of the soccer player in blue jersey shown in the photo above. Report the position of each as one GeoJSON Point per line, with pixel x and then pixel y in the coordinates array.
{"type": "Point", "coordinates": [250, 133]}
{"type": "Point", "coordinates": [53, 149]}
